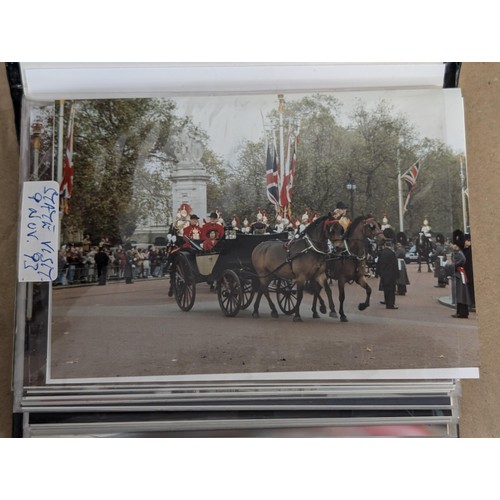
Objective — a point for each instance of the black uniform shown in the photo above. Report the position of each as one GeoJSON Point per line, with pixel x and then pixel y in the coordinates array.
{"type": "Point", "coordinates": [469, 271]}
{"type": "Point", "coordinates": [387, 269]}
{"type": "Point", "coordinates": [101, 260]}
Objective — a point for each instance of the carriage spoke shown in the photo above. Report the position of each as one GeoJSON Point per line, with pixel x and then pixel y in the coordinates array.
{"type": "Point", "coordinates": [248, 292]}
{"type": "Point", "coordinates": [229, 293]}
{"type": "Point", "coordinates": [286, 293]}
{"type": "Point", "coordinates": [184, 284]}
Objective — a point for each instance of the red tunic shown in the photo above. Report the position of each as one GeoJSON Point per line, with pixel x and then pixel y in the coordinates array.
{"type": "Point", "coordinates": [192, 232]}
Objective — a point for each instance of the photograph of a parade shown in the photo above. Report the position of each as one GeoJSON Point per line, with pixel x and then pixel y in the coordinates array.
{"type": "Point", "coordinates": [249, 236]}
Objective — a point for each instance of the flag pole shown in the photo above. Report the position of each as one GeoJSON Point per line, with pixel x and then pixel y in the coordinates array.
{"type": "Point", "coordinates": [60, 148]}
{"type": "Point", "coordinates": [282, 147]}
{"type": "Point", "coordinates": [400, 195]}
{"type": "Point", "coordinates": [464, 202]}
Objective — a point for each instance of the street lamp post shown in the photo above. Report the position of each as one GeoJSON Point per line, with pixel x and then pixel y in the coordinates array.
{"type": "Point", "coordinates": [351, 187]}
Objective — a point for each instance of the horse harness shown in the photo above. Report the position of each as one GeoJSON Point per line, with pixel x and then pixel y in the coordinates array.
{"type": "Point", "coordinates": [346, 253]}
{"type": "Point", "coordinates": [310, 245]}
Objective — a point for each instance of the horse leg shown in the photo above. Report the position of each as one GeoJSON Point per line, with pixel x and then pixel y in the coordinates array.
{"type": "Point", "coordinates": [322, 305]}
{"type": "Point", "coordinates": [274, 312]}
{"type": "Point", "coordinates": [300, 294]}
{"type": "Point", "coordinates": [263, 290]}
{"type": "Point", "coordinates": [329, 295]}
{"type": "Point", "coordinates": [256, 304]}
{"type": "Point", "coordinates": [429, 269]}
{"type": "Point", "coordinates": [364, 284]}
{"type": "Point", "coordinates": [317, 297]}
{"type": "Point", "coordinates": [343, 317]}
{"type": "Point", "coordinates": [419, 262]}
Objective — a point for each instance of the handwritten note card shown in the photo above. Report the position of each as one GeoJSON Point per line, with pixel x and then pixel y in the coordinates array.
{"type": "Point", "coordinates": [39, 232]}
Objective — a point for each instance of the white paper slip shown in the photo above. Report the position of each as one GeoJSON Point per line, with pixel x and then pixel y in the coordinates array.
{"type": "Point", "coordinates": [39, 232]}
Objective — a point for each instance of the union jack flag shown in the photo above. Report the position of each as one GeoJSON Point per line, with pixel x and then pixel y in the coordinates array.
{"type": "Point", "coordinates": [272, 176]}
{"type": "Point", "coordinates": [410, 177]}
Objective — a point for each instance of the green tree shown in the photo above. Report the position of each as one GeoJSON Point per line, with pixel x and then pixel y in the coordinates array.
{"type": "Point", "coordinates": [245, 187]}
{"type": "Point", "coordinates": [114, 186]}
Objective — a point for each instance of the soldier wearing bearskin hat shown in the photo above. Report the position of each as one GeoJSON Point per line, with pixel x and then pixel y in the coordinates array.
{"type": "Point", "coordinates": [459, 278]}
{"type": "Point", "coordinates": [439, 268]}
{"type": "Point", "coordinates": [388, 270]}
{"type": "Point", "coordinates": [469, 270]}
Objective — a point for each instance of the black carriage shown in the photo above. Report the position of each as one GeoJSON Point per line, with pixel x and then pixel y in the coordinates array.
{"type": "Point", "coordinates": [228, 268]}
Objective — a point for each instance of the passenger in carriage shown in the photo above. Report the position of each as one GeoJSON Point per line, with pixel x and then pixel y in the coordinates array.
{"type": "Point", "coordinates": [212, 224]}
{"type": "Point", "coordinates": [193, 231]}
{"type": "Point", "coordinates": [211, 241]}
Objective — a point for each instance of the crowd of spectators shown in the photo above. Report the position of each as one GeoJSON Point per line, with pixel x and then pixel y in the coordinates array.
{"type": "Point", "coordinates": [77, 262]}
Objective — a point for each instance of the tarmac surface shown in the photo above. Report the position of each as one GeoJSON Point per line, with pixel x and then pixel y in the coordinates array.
{"type": "Point", "coordinates": [122, 330]}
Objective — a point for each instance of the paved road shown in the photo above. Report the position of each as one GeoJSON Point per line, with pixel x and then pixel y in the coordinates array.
{"type": "Point", "coordinates": [124, 330]}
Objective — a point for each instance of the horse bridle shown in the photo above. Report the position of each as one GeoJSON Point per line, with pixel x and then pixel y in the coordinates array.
{"type": "Point", "coordinates": [367, 222]}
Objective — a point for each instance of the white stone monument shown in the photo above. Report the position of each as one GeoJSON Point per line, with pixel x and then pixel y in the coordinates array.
{"type": "Point", "coordinates": [189, 176]}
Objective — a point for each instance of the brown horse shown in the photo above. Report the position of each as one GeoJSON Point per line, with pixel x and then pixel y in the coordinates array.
{"type": "Point", "coordinates": [349, 264]}
{"type": "Point", "coordinates": [302, 259]}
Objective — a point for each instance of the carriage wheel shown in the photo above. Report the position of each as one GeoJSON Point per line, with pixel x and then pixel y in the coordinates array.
{"type": "Point", "coordinates": [286, 295]}
{"type": "Point", "coordinates": [248, 292]}
{"type": "Point", "coordinates": [184, 285]}
{"type": "Point", "coordinates": [229, 293]}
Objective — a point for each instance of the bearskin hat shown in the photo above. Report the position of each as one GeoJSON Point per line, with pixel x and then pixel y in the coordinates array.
{"type": "Point", "coordinates": [401, 238]}
{"type": "Point", "coordinates": [389, 234]}
{"type": "Point", "coordinates": [440, 238]}
{"type": "Point", "coordinates": [458, 238]}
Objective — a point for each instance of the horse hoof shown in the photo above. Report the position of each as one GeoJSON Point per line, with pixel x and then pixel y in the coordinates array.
{"type": "Point", "coordinates": [255, 314]}
{"type": "Point", "coordinates": [315, 315]}
{"type": "Point", "coordinates": [333, 315]}
{"type": "Point", "coordinates": [322, 309]}
{"type": "Point", "coordinates": [297, 319]}
{"type": "Point", "coordinates": [274, 314]}
{"type": "Point", "coordinates": [343, 319]}
{"type": "Point", "coordinates": [362, 307]}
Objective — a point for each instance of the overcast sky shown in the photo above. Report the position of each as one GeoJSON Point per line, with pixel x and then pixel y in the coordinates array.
{"type": "Point", "coordinates": [231, 120]}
